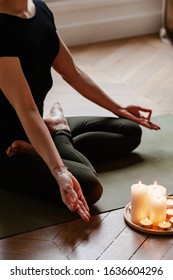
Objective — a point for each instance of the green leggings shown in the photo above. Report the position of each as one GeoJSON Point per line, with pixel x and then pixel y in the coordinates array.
{"type": "Point", "coordinates": [92, 140]}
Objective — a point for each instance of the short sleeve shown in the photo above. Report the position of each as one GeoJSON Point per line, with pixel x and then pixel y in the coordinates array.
{"type": "Point", "coordinates": [8, 42]}
{"type": "Point", "coordinates": [46, 9]}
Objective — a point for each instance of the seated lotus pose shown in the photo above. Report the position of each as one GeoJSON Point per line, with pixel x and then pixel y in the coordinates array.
{"type": "Point", "coordinates": [53, 157]}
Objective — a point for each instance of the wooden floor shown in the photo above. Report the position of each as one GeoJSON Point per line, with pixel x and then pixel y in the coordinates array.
{"type": "Point", "coordinates": [133, 71]}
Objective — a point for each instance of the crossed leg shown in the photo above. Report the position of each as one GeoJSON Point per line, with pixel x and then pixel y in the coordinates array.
{"type": "Point", "coordinates": [54, 121]}
{"type": "Point", "coordinates": [105, 136]}
{"type": "Point", "coordinates": [77, 164]}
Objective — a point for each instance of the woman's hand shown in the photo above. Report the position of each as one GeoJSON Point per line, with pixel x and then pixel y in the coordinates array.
{"type": "Point", "coordinates": [136, 113]}
{"type": "Point", "coordinates": [72, 195]}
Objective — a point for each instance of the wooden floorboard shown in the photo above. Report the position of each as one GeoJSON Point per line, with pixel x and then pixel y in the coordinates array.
{"type": "Point", "coordinates": [135, 70]}
{"type": "Point", "coordinates": [155, 248]}
{"type": "Point", "coordinates": [31, 249]}
{"type": "Point", "coordinates": [95, 244]}
{"type": "Point", "coordinates": [124, 245]}
{"type": "Point", "coordinates": [80, 233]}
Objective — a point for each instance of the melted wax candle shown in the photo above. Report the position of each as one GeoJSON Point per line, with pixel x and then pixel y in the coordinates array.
{"type": "Point", "coordinates": [157, 208]}
{"type": "Point", "coordinates": [146, 223]}
{"type": "Point", "coordinates": [164, 225]}
{"type": "Point", "coordinates": [156, 189]}
{"type": "Point", "coordinates": [139, 202]}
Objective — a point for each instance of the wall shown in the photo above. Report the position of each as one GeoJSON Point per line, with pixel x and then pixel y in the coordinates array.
{"type": "Point", "coordinates": [82, 22]}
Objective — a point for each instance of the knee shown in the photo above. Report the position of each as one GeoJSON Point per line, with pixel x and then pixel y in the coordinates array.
{"type": "Point", "coordinates": [137, 134]}
{"type": "Point", "coordinates": [133, 136]}
{"type": "Point", "coordinates": [95, 195]}
{"type": "Point", "coordinates": [92, 189]}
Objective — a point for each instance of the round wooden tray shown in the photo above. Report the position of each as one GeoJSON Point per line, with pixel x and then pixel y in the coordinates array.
{"type": "Point", "coordinates": [127, 217]}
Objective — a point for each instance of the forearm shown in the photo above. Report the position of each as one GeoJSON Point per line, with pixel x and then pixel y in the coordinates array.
{"type": "Point", "coordinates": [17, 91]}
{"type": "Point", "coordinates": [82, 83]}
{"type": "Point", "coordinates": [40, 137]}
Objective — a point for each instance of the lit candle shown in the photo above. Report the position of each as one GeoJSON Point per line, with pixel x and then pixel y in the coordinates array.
{"type": "Point", "coordinates": [169, 213]}
{"type": "Point", "coordinates": [146, 223]}
{"type": "Point", "coordinates": [164, 225]}
{"type": "Point", "coordinates": [157, 208]}
{"type": "Point", "coordinates": [156, 189]}
{"type": "Point", "coordinates": [139, 202]}
{"type": "Point", "coordinates": [169, 203]}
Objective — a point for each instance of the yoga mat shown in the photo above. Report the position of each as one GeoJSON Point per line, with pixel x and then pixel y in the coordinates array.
{"type": "Point", "coordinates": [151, 161]}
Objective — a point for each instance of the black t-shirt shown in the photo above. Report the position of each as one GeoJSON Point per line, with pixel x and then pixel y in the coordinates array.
{"type": "Point", "coordinates": [35, 42]}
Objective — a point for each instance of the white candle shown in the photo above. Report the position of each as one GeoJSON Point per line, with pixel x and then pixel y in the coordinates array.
{"type": "Point", "coordinates": [139, 202]}
{"type": "Point", "coordinates": [164, 225]}
{"type": "Point", "coordinates": [156, 189]}
{"type": "Point", "coordinates": [157, 208]}
{"type": "Point", "coordinates": [146, 223]}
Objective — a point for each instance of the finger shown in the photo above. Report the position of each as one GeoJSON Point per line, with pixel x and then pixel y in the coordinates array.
{"type": "Point", "coordinates": [82, 198]}
{"type": "Point", "coordinates": [154, 126]}
{"type": "Point", "coordinates": [149, 115]}
{"type": "Point", "coordinates": [71, 191]}
{"type": "Point", "coordinates": [142, 121]}
{"type": "Point", "coordinates": [82, 214]}
{"type": "Point", "coordinates": [80, 193]}
{"type": "Point", "coordinates": [150, 125]}
{"type": "Point", "coordinates": [68, 201]}
{"type": "Point", "coordinates": [80, 203]}
{"type": "Point", "coordinates": [145, 110]}
{"type": "Point", "coordinates": [71, 198]}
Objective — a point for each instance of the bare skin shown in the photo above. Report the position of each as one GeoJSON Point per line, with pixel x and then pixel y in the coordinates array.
{"type": "Point", "coordinates": [16, 89]}
{"type": "Point", "coordinates": [72, 197]}
{"type": "Point", "coordinates": [54, 120]}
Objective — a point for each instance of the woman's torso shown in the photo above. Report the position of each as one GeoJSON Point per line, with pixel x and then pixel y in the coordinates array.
{"type": "Point", "coordinates": [36, 43]}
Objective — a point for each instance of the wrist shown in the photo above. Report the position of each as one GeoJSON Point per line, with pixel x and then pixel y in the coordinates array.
{"type": "Point", "coordinates": [59, 170]}
{"type": "Point", "coordinates": [117, 110]}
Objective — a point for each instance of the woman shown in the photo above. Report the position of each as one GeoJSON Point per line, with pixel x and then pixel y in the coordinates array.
{"type": "Point", "coordinates": [33, 149]}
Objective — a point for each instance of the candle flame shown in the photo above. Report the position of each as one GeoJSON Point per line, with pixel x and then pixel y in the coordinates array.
{"type": "Point", "coordinates": [139, 184]}
{"type": "Point", "coordinates": [155, 185]}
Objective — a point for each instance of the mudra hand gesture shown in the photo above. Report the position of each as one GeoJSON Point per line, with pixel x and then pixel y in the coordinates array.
{"type": "Point", "coordinates": [72, 195]}
{"type": "Point", "coordinates": [136, 113]}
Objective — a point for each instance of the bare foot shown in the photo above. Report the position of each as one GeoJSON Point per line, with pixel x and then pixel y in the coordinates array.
{"type": "Point", "coordinates": [56, 119]}
{"type": "Point", "coordinates": [20, 147]}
